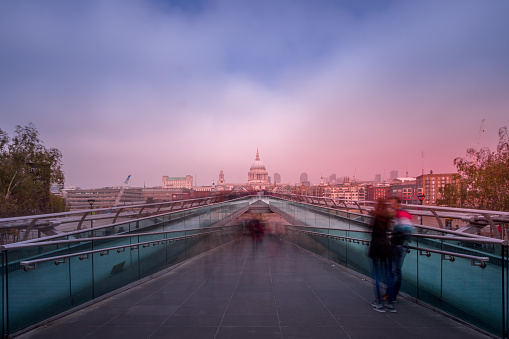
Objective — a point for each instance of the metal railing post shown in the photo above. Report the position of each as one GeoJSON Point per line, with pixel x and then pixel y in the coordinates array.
{"type": "Point", "coordinates": [505, 325]}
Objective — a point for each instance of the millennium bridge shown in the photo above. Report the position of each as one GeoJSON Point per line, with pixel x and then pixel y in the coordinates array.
{"type": "Point", "coordinates": [191, 269]}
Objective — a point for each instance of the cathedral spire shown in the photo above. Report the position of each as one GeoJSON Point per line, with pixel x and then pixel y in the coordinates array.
{"type": "Point", "coordinates": [257, 155]}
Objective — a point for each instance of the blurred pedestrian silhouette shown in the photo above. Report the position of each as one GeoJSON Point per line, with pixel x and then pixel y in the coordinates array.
{"type": "Point", "coordinates": [380, 251]}
{"type": "Point", "coordinates": [399, 239]}
{"type": "Point", "coordinates": [256, 231]}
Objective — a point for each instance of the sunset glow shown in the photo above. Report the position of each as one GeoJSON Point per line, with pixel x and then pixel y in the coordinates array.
{"type": "Point", "coordinates": [173, 88]}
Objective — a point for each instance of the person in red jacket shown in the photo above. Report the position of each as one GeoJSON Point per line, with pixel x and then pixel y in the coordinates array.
{"type": "Point", "coordinates": [399, 239]}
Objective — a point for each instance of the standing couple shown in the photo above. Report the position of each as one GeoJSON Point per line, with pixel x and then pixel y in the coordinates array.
{"type": "Point", "coordinates": [388, 254]}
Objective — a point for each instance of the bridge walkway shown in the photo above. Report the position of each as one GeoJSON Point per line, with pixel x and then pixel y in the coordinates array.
{"type": "Point", "coordinates": [271, 290]}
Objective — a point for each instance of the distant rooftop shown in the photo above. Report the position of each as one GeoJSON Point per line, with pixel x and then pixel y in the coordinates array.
{"type": "Point", "coordinates": [404, 179]}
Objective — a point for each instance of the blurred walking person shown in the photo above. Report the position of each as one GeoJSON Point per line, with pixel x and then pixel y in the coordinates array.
{"type": "Point", "coordinates": [399, 238]}
{"type": "Point", "coordinates": [256, 231]}
{"type": "Point", "coordinates": [380, 251]}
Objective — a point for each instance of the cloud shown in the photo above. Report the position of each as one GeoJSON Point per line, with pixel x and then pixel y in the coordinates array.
{"type": "Point", "coordinates": [164, 88]}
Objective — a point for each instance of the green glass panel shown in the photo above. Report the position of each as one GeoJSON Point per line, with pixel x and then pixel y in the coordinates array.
{"type": "Point", "coordinates": [152, 257]}
{"type": "Point", "coordinates": [322, 220]}
{"type": "Point", "coordinates": [2, 298]}
{"type": "Point", "coordinates": [81, 277]}
{"type": "Point", "coordinates": [120, 229]}
{"type": "Point", "coordinates": [115, 269]}
{"type": "Point", "coordinates": [337, 248]}
{"type": "Point", "coordinates": [429, 275]}
{"type": "Point", "coordinates": [322, 246]}
{"type": "Point", "coordinates": [483, 307]}
{"type": "Point", "coordinates": [205, 220]}
{"type": "Point", "coordinates": [301, 215]}
{"type": "Point", "coordinates": [337, 222]}
{"type": "Point", "coordinates": [308, 242]}
{"type": "Point", "coordinates": [195, 246]}
{"type": "Point", "coordinates": [37, 294]}
{"type": "Point", "coordinates": [357, 256]}
{"type": "Point", "coordinates": [175, 253]}
{"type": "Point", "coordinates": [409, 270]}
{"type": "Point", "coordinates": [505, 274]}
{"type": "Point", "coordinates": [36, 252]}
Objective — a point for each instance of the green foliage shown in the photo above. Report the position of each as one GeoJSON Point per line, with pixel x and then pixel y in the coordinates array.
{"type": "Point", "coordinates": [484, 182]}
{"type": "Point", "coordinates": [27, 169]}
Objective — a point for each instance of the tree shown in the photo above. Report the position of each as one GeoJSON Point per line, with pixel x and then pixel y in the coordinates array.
{"type": "Point", "coordinates": [483, 178]}
{"type": "Point", "coordinates": [27, 170]}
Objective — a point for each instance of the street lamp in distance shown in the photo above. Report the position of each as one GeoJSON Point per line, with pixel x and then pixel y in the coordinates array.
{"type": "Point", "coordinates": [421, 198]}
{"type": "Point", "coordinates": [91, 203]}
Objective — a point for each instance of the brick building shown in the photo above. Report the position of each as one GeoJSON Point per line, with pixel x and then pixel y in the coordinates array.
{"type": "Point", "coordinates": [375, 192]}
{"type": "Point", "coordinates": [431, 184]}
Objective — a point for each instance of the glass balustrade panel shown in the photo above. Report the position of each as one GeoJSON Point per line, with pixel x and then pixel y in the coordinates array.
{"type": "Point", "coordinates": [152, 256]}
{"type": "Point", "coordinates": [36, 294]}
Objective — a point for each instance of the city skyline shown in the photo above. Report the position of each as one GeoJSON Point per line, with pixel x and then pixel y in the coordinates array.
{"type": "Point", "coordinates": [189, 88]}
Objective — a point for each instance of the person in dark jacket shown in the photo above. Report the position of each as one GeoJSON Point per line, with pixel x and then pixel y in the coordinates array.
{"type": "Point", "coordinates": [380, 251]}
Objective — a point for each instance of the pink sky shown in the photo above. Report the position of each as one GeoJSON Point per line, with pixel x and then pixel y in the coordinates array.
{"type": "Point", "coordinates": [131, 88]}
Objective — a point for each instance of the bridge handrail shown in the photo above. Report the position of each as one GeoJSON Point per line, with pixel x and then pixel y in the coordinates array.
{"type": "Point", "coordinates": [465, 239]}
{"type": "Point", "coordinates": [414, 225]}
{"type": "Point", "coordinates": [431, 236]}
{"type": "Point", "coordinates": [412, 206]}
{"type": "Point", "coordinates": [20, 245]}
{"type": "Point", "coordinates": [426, 251]}
{"type": "Point", "coordinates": [60, 214]}
{"type": "Point", "coordinates": [117, 223]}
{"type": "Point", "coordinates": [13, 246]}
{"type": "Point", "coordinates": [486, 214]}
{"type": "Point", "coordinates": [212, 201]}
{"type": "Point", "coordinates": [32, 264]}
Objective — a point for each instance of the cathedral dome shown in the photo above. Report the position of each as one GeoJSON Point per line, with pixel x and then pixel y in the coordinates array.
{"type": "Point", "coordinates": [258, 177]}
{"type": "Point", "coordinates": [258, 164]}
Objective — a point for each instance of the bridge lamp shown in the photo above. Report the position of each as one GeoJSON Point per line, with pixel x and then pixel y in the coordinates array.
{"type": "Point", "coordinates": [91, 203]}
{"type": "Point", "coordinates": [421, 198]}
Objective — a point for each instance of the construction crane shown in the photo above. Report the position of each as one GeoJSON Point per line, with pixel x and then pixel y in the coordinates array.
{"type": "Point", "coordinates": [122, 190]}
{"type": "Point", "coordinates": [481, 130]}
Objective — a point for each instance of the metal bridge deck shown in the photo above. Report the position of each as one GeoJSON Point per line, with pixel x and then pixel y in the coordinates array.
{"type": "Point", "coordinates": [271, 290]}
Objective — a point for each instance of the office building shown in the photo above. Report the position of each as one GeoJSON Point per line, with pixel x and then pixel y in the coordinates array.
{"type": "Point", "coordinates": [277, 178]}
{"type": "Point", "coordinates": [393, 175]}
{"type": "Point", "coordinates": [178, 182]}
{"type": "Point", "coordinates": [303, 177]}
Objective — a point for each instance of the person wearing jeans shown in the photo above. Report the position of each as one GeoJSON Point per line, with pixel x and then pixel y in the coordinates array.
{"type": "Point", "coordinates": [380, 251]}
{"type": "Point", "coordinates": [399, 239]}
